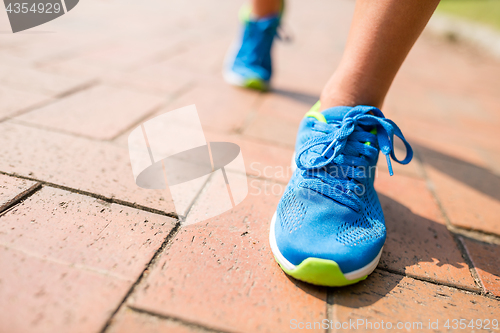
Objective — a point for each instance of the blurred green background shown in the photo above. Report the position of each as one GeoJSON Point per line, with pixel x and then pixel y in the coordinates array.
{"type": "Point", "coordinates": [482, 11]}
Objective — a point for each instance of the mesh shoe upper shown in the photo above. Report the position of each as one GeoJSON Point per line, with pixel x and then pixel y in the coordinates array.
{"type": "Point", "coordinates": [330, 209]}
{"type": "Point", "coordinates": [253, 59]}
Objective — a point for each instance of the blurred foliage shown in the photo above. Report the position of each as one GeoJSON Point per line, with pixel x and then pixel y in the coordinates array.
{"type": "Point", "coordinates": [482, 11]}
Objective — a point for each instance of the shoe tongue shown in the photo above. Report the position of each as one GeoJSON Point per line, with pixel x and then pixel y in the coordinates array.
{"type": "Point", "coordinates": [336, 113]}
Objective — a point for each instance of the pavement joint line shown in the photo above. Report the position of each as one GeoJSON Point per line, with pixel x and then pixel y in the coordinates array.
{"type": "Point", "coordinates": [33, 107]}
{"type": "Point", "coordinates": [84, 86]}
{"type": "Point", "coordinates": [95, 195]}
{"type": "Point", "coordinates": [58, 131]}
{"type": "Point", "coordinates": [50, 129]}
{"type": "Point", "coordinates": [67, 264]}
{"type": "Point", "coordinates": [133, 205]}
{"type": "Point", "coordinates": [65, 55]}
{"type": "Point", "coordinates": [33, 189]}
{"type": "Point", "coordinates": [20, 198]}
{"type": "Point", "coordinates": [330, 301]}
{"type": "Point", "coordinates": [465, 255]}
{"type": "Point", "coordinates": [472, 267]}
{"type": "Point", "coordinates": [183, 218]}
{"type": "Point", "coordinates": [168, 101]}
{"type": "Point", "coordinates": [168, 240]}
{"type": "Point", "coordinates": [50, 100]}
{"type": "Point", "coordinates": [40, 183]}
{"type": "Point", "coordinates": [178, 320]}
{"type": "Point", "coordinates": [141, 120]}
{"type": "Point", "coordinates": [437, 283]}
{"type": "Point", "coordinates": [477, 235]}
{"type": "Point", "coordinates": [58, 98]}
{"type": "Point", "coordinates": [55, 130]}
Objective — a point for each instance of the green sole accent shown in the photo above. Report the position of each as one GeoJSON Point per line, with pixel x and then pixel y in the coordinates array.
{"type": "Point", "coordinates": [316, 106]}
{"type": "Point", "coordinates": [314, 113]}
{"type": "Point", "coordinates": [321, 272]}
{"type": "Point", "coordinates": [256, 84]}
{"type": "Point", "coordinates": [373, 131]}
{"type": "Point", "coordinates": [246, 12]}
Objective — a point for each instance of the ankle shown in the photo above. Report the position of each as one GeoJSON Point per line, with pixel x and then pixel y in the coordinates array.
{"type": "Point", "coordinates": [265, 9]}
{"type": "Point", "coordinates": [349, 94]}
{"type": "Point", "coordinates": [332, 99]}
{"type": "Point", "coordinates": [351, 86]}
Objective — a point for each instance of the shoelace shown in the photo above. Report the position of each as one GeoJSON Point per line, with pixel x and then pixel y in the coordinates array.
{"type": "Point", "coordinates": [348, 146]}
{"type": "Point", "coordinates": [284, 34]}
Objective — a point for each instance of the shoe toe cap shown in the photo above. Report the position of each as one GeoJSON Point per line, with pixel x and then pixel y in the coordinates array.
{"type": "Point", "coordinates": [326, 233]}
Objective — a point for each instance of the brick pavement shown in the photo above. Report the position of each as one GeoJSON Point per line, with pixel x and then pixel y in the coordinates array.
{"type": "Point", "coordinates": [83, 249]}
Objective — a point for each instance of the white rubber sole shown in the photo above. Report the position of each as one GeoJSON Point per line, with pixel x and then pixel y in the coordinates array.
{"type": "Point", "coordinates": [359, 273]}
{"type": "Point", "coordinates": [231, 77]}
{"type": "Point", "coordinates": [237, 80]}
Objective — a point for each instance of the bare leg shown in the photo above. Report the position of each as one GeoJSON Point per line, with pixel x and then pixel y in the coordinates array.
{"type": "Point", "coordinates": [382, 33]}
{"type": "Point", "coordinates": [263, 8]}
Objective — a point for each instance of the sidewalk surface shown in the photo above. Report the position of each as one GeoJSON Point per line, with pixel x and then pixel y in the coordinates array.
{"type": "Point", "coordinates": [83, 249]}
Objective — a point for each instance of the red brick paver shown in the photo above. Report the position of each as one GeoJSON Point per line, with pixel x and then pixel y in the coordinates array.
{"type": "Point", "coordinates": [469, 194]}
{"type": "Point", "coordinates": [226, 261]}
{"type": "Point", "coordinates": [41, 82]}
{"type": "Point", "coordinates": [79, 163]}
{"type": "Point", "coordinates": [395, 299]}
{"type": "Point", "coordinates": [265, 127]}
{"type": "Point", "coordinates": [486, 262]}
{"type": "Point", "coordinates": [13, 101]}
{"type": "Point", "coordinates": [131, 321]}
{"type": "Point", "coordinates": [221, 108]}
{"type": "Point", "coordinates": [84, 249]}
{"type": "Point", "coordinates": [418, 242]}
{"type": "Point", "coordinates": [45, 295]}
{"type": "Point", "coordinates": [13, 189]}
{"type": "Point", "coordinates": [261, 160]}
{"type": "Point", "coordinates": [84, 231]}
{"type": "Point", "coordinates": [100, 112]}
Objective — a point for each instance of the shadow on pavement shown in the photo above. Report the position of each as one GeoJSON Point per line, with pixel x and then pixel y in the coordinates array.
{"type": "Point", "coordinates": [413, 242]}
{"type": "Point", "coordinates": [479, 178]}
{"type": "Point", "coordinates": [419, 246]}
{"type": "Point", "coordinates": [301, 97]}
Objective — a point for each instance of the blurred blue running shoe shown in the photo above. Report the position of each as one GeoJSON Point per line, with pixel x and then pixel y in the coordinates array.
{"type": "Point", "coordinates": [329, 228]}
{"type": "Point", "coordinates": [248, 62]}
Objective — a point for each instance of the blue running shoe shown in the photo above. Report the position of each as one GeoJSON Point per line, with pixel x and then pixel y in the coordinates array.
{"type": "Point", "coordinates": [248, 62]}
{"type": "Point", "coordinates": [329, 228]}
